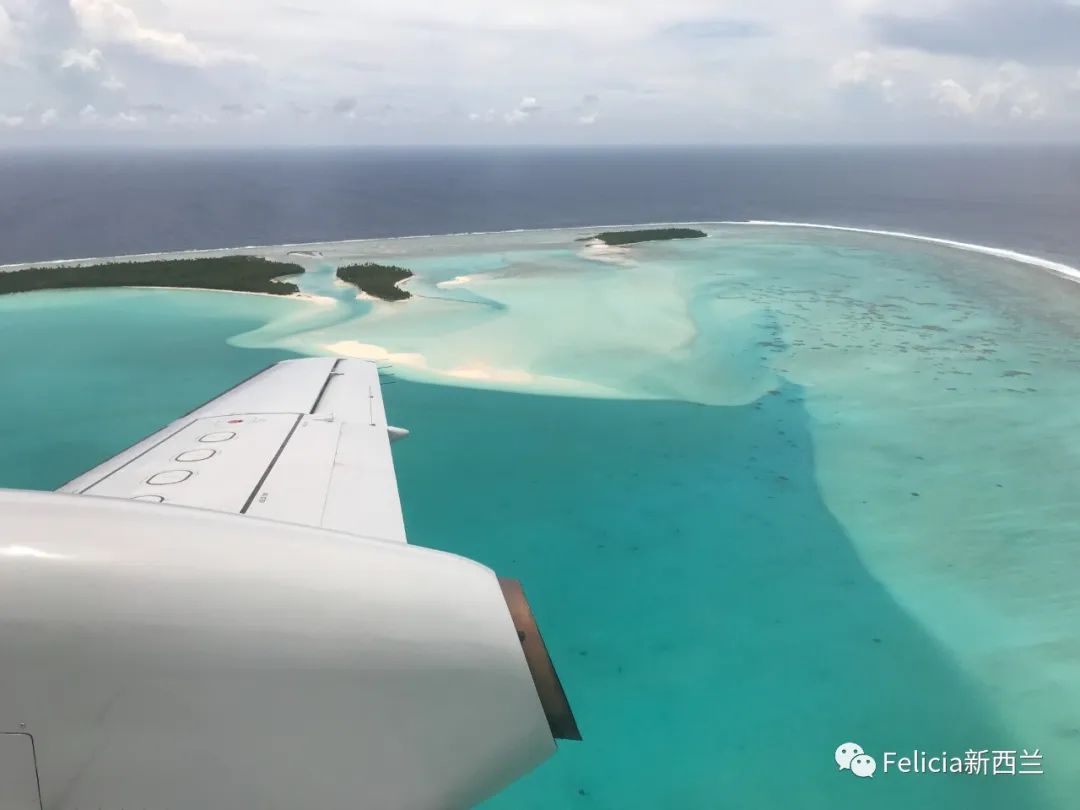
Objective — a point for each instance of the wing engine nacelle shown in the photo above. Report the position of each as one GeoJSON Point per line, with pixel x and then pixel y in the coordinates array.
{"type": "Point", "coordinates": [172, 658]}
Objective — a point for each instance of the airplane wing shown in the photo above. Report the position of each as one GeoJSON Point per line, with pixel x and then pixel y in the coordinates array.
{"type": "Point", "coordinates": [163, 649]}
{"type": "Point", "coordinates": [305, 441]}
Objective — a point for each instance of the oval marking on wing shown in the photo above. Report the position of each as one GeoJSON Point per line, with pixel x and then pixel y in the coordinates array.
{"type": "Point", "coordinates": [169, 477]}
{"type": "Point", "coordinates": [222, 436]}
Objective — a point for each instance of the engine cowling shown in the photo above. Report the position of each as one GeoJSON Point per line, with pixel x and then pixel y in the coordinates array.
{"type": "Point", "coordinates": [171, 658]}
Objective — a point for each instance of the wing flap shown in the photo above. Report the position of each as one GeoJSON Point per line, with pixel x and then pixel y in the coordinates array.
{"type": "Point", "coordinates": [303, 442]}
{"type": "Point", "coordinates": [358, 485]}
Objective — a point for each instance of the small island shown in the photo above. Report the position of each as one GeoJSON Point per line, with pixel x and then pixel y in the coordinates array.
{"type": "Point", "coordinates": [228, 273]}
{"type": "Point", "coordinates": [647, 235]}
{"type": "Point", "coordinates": [377, 280]}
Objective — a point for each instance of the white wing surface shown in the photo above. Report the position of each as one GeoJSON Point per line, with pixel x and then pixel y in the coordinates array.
{"type": "Point", "coordinates": [164, 657]}
{"type": "Point", "coordinates": [305, 441]}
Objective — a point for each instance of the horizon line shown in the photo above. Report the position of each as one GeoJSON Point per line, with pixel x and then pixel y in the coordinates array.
{"type": "Point", "coordinates": [398, 147]}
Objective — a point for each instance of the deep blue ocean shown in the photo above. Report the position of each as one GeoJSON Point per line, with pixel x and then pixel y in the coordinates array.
{"type": "Point", "coordinates": [831, 494]}
{"type": "Point", "coordinates": [72, 205]}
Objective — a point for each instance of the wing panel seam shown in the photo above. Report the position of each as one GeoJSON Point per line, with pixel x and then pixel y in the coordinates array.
{"type": "Point", "coordinates": [333, 372]}
{"type": "Point", "coordinates": [270, 466]}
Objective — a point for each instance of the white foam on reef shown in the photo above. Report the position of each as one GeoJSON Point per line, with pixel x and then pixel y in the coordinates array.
{"type": "Point", "coordinates": [1058, 268]}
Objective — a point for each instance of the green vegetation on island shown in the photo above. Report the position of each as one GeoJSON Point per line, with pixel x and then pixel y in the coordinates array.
{"type": "Point", "coordinates": [647, 235]}
{"type": "Point", "coordinates": [229, 273]}
{"type": "Point", "coordinates": [378, 280]}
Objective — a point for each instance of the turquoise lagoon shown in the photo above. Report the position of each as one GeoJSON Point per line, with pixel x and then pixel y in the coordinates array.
{"type": "Point", "coordinates": [768, 491]}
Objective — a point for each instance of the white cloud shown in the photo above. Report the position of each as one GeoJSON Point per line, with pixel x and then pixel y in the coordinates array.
{"type": "Point", "coordinates": [953, 97]}
{"type": "Point", "coordinates": [523, 111]}
{"type": "Point", "coordinates": [87, 62]}
{"type": "Point", "coordinates": [526, 109]}
{"type": "Point", "coordinates": [875, 74]}
{"type": "Point", "coordinates": [1008, 94]}
{"type": "Point", "coordinates": [11, 121]}
{"type": "Point", "coordinates": [49, 117]}
{"type": "Point", "coordinates": [111, 21]}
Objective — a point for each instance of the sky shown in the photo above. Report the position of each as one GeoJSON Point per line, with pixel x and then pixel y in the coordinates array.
{"type": "Point", "coordinates": [505, 72]}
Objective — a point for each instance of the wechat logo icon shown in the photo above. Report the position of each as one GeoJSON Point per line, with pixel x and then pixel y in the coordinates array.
{"type": "Point", "coordinates": [851, 757]}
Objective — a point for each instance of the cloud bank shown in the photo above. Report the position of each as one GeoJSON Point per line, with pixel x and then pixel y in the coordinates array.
{"type": "Point", "coordinates": [515, 71]}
